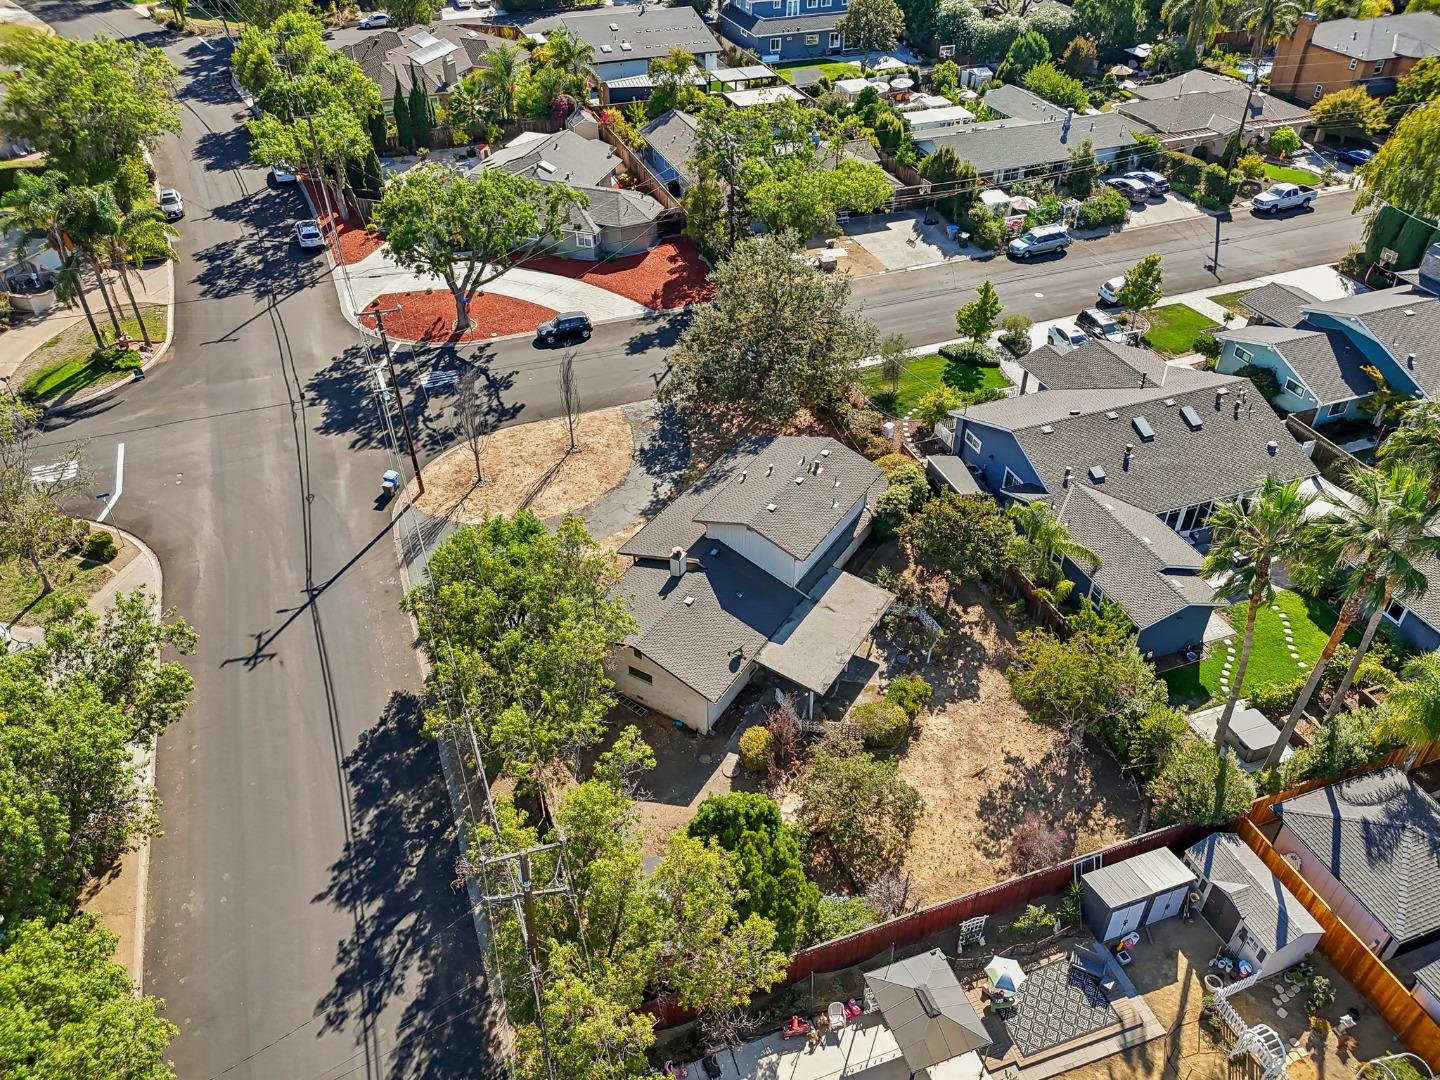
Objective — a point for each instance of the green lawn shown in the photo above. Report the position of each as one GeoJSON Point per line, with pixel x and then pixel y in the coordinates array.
{"type": "Point", "coordinates": [1270, 661]}
{"type": "Point", "coordinates": [1173, 329]}
{"type": "Point", "coordinates": [831, 70]}
{"type": "Point", "coordinates": [922, 375]}
{"type": "Point", "coordinates": [63, 364]}
{"type": "Point", "coordinates": [1230, 301]}
{"type": "Point", "coordinates": [1287, 175]}
{"type": "Point", "coordinates": [20, 586]}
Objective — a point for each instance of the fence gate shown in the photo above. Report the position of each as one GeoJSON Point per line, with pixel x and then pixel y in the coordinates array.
{"type": "Point", "coordinates": [1089, 862]}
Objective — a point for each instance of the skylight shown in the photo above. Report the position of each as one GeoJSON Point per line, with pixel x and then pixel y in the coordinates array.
{"type": "Point", "coordinates": [1191, 417]}
{"type": "Point", "coordinates": [1097, 474]}
{"type": "Point", "coordinates": [1142, 428]}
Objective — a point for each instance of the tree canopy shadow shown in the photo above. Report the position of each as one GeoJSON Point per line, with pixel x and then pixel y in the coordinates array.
{"type": "Point", "coordinates": [414, 934]}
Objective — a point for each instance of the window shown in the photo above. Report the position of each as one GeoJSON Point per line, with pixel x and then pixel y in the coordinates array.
{"type": "Point", "coordinates": [972, 440]}
{"type": "Point", "coordinates": [792, 7]}
{"type": "Point", "coordinates": [810, 5]}
{"type": "Point", "coordinates": [834, 38]}
{"type": "Point", "coordinates": [643, 676]}
{"type": "Point", "coordinates": [1260, 955]}
{"type": "Point", "coordinates": [1097, 595]}
{"type": "Point", "coordinates": [775, 44]}
{"type": "Point", "coordinates": [1353, 63]}
{"type": "Point", "coordinates": [1319, 91]}
{"type": "Point", "coordinates": [812, 39]}
{"type": "Point", "coordinates": [1335, 408]}
{"type": "Point", "coordinates": [1011, 480]}
{"type": "Point", "coordinates": [1243, 354]}
{"type": "Point", "coordinates": [584, 240]}
{"type": "Point", "coordinates": [1395, 612]}
{"type": "Point", "coordinates": [1379, 66]}
{"type": "Point", "coordinates": [1294, 387]}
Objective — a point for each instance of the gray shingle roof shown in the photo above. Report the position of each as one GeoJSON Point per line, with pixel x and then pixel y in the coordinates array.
{"type": "Point", "coordinates": [1429, 977]}
{"type": "Point", "coordinates": [674, 135]}
{"type": "Point", "coordinates": [764, 26]}
{"type": "Point", "coordinates": [1017, 103]}
{"type": "Point", "coordinates": [384, 56]}
{"type": "Point", "coordinates": [649, 30]}
{"type": "Point", "coordinates": [1145, 567]}
{"type": "Point", "coordinates": [1404, 323]}
{"type": "Point", "coordinates": [1093, 365]}
{"type": "Point", "coordinates": [1009, 144]}
{"type": "Point", "coordinates": [1326, 360]}
{"type": "Point", "coordinates": [578, 161]}
{"type": "Point", "coordinates": [618, 207]}
{"type": "Point", "coordinates": [804, 513]}
{"type": "Point", "coordinates": [1427, 604]}
{"type": "Point", "coordinates": [1379, 835]}
{"type": "Point", "coordinates": [1282, 305]}
{"type": "Point", "coordinates": [1178, 467]}
{"type": "Point", "coordinates": [1270, 911]}
{"type": "Point", "coordinates": [1215, 110]}
{"type": "Point", "coordinates": [1414, 34]}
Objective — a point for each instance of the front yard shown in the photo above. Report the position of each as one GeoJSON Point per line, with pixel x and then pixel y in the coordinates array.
{"type": "Point", "coordinates": [922, 375]}
{"type": "Point", "coordinates": [1288, 174]}
{"type": "Point", "coordinates": [66, 363]}
{"type": "Point", "coordinates": [1310, 622]}
{"type": "Point", "coordinates": [1173, 329]}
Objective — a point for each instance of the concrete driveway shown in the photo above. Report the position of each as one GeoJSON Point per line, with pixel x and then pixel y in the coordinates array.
{"type": "Point", "coordinates": [903, 241]}
{"type": "Point", "coordinates": [1171, 210]}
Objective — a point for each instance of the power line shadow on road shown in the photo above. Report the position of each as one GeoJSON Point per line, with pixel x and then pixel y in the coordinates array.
{"type": "Point", "coordinates": [414, 936]}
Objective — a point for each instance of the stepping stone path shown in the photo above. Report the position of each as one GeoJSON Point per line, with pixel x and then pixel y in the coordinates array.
{"type": "Point", "coordinates": [907, 433]}
{"type": "Point", "coordinates": [1289, 636]}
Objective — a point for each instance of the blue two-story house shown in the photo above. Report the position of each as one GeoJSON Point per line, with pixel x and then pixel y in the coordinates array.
{"type": "Point", "coordinates": [1131, 454]}
{"type": "Point", "coordinates": [780, 30]}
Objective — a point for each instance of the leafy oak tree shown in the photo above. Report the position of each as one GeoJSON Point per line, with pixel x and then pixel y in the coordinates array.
{"type": "Point", "coordinates": [731, 362]}
{"type": "Point", "coordinates": [469, 230]}
{"type": "Point", "coordinates": [858, 807]}
{"type": "Point", "coordinates": [1029, 50]}
{"type": "Point", "coordinates": [1185, 790]}
{"type": "Point", "coordinates": [1088, 680]}
{"type": "Point", "coordinates": [1351, 111]}
{"type": "Point", "coordinates": [1416, 88]}
{"type": "Point", "coordinates": [1142, 288]}
{"type": "Point", "coordinates": [959, 539]}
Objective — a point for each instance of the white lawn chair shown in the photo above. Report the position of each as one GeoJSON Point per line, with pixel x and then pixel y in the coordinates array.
{"type": "Point", "coordinates": [835, 1014]}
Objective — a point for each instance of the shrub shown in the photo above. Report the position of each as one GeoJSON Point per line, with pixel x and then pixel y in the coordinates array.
{"type": "Point", "coordinates": [980, 395]}
{"type": "Point", "coordinates": [987, 232]}
{"type": "Point", "coordinates": [910, 692]}
{"type": "Point", "coordinates": [114, 358]}
{"type": "Point", "coordinates": [1276, 700]}
{"type": "Point", "coordinates": [1105, 208]}
{"type": "Point", "coordinates": [1070, 907]}
{"type": "Point", "coordinates": [756, 747]}
{"type": "Point", "coordinates": [1251, 166]}
{"type": "Point", "coordinates": [907, 492]}
{"type": "Point", "coordinates": [1182, 168]}
{"type": "Point", "coordinates": [1206, 345]}
{"type": "Point", "coordinates": [1054, 85]}
{"type": "Point", "coordinates": [1015, 335]}
{"type": "Point", "coordinates": [882, 724]}
{"type": "Point", "coordinates": [1218, 183]}
{"type": "Point", "coordinates": [1184, 790]}
{"type": "Point", "coordinates": [99, 546]}
{"type": "Point", "coordinates": [1263, 379]}
{"type": "Point", "coordinates": [1037, 843]}
{"type": "Point", "coordinates": [841, 915]}
{"type": "Point", "coordinates": [935, 406]}
{"type": "Point", "coordinates": [888, 463]}
{"type": "Point", "coordinates": [970, 352]}
{"type": "Point", "coordinates": [1079, 56]}
{"type": "Point", "coordinates": [1034, 918]}
{"type": "Point", "coordinates": [1350, 740]}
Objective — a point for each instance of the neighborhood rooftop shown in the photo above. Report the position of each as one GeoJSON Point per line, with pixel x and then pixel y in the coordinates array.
{"type": "Point", "coordinates": [1406, 323]}
{"type": "Point", "coordinates": [1283, 305]}
{"type": "Point", "coordinates": [642, 32]}
{"type": "Point", "coordinates": [1268, 909]}
{"type": "Point", "coordinates": [1325, 360]}
{"type": "Point", "coordinates": [1413, 34]}
{"type": "Point", "coordinates": [1095, 365]}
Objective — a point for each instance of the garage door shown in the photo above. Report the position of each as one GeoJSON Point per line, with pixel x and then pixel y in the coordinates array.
{"type": "Point", "coordinates": [1123, 920]}
{"type": "Point", "coordinates": [1166, 906]}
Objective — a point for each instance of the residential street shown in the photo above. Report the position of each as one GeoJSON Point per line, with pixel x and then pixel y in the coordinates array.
{"type": "Point", "coordinates": [302, 919]}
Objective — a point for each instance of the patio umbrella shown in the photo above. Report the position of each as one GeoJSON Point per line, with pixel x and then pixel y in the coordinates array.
{"type": "Point", "coordinates": [901, 84]}
{"type": "Point", "coordinates": [1005, 974]}
{"type": "Point", "coordinates": [1021, 202]}
{"type": "Point", "coordinates": [926, 1009]}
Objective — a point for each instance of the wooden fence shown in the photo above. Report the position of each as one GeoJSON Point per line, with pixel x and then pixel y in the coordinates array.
{"type": "Point", "coordinates": [645, 179]}
{"type": "Point", "coordinates": [1041, 609]}
{"type": "Point", "coordinates": [1325, 454]}
{"type": "Point", "coordinates": [1262, 810]}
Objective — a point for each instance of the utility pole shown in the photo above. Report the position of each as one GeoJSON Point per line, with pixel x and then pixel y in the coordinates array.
{"type": "Point", "coordinates": [380, 314]}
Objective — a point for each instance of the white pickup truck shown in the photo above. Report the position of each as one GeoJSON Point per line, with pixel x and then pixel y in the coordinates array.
{"type": "Point", "coordinates": [1283, 197]}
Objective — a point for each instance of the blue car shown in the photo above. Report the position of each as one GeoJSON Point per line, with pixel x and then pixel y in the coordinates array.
{"type": "Point", "coordinates": [1355, 155]}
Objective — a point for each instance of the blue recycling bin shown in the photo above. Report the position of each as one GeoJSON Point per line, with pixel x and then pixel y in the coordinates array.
{"type": "Point", "coordinates": [952, 231]}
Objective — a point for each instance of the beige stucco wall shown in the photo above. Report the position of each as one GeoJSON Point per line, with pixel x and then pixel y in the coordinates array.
{"type": "Point", "coordinates": [666, 694]}
{"type": "Point", "coordinates": [1301, 65]}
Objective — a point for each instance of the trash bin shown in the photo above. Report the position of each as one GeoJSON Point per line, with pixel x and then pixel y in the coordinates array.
{"type": "Point", "coordinates": [952, 231]}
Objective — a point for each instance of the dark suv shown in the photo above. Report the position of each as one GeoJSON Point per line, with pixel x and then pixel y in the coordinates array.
{"type": "Point", "coordinates": [567, 326]}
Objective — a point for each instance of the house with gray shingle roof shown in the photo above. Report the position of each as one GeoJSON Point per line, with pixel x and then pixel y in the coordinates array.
{"type": "Point", "coordinates": [1005, 151]}
{"type": "Point", "coordinates": [1131, 454]}
{"type": "Point", "coordinates": [1370, 847]}
{"type": "Point", "coordinates": [1200, 108]}
{"type": "Point", "coordinates": [742, 572]}
{"type": "Point", "coordinates": [1274, 304]}
{"type": "Point", "coordinates": [438, 53]}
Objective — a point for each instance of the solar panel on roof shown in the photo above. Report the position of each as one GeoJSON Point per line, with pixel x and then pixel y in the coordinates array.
{"type": "Point", "coordinates": [432, 53]}
{"type": "Point", "coordinates": [423, 40]}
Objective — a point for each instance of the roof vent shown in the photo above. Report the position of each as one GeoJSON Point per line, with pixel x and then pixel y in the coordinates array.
{"type": "Point", "coordinates": [1112, 416]}
{"type": "Point", "coordinates": [1273, 447]}
{"type": "Point", "coordinates": [1409, 312]}
{"type": "Point", "coordinates": [1410, 360]}
{"type": "Point", "coordinates": [689, 600]}
{"type": "Point", "coordinates": [713, 552]}
{"type": "Point", "coordinates": [545, 166]}
{"type": "Point", "coordinates": [799, 479]}
{"type": "Point", "coordinates": [606, 49]}
{"type": "Point", "coordinates": [1097, 474]}
{"type": "Point", "coordinates": [1191, 417]}
{"type": "Point", "coordinates": [1047, 428]}
{"type": "Point", "coordinates": [769, 468]}
{"type": "Point", "coordinates": [835, 504]}
{"type": "Point", "coordinates": [615, 26]}
{"type": "Point", "coordinates": [1142, 428]}
{"type": "Point", "coordinates": [624, 46]}
{"type": "Point", "coordinates": [1074, 412]}
{"type": "Point", "coordinates": [770, 507]}
{"type": "Point", "coordinates": [825, 453]}
{"type": "Point", "coordinates": [1069, 472]}
{"type": "Point", "coordinates": [1169, 401]}
{"type": "Point", "coordinates": [837, 481]}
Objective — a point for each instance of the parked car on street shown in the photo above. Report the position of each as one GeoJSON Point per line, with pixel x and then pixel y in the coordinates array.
{"type": "Point", "coordinates": [308, 236]}
{"type": "Point", "coordinates": [1065, 335]}
{"type": "Point", "coordinates": [1040, 241]}
{"type": "Point", "coordinates": [1135, 190]}
{"type": "Point", "coordinates": [1155, 181]}
{"type": "Point", "coordinates": [1110, 290]}
{"type": "Point", "coordinates": [1101, 326]}
{"type": "Point", "coordinates": [282, 173]}
{"type": "Point", "coordinates": [567, 326]}
{"type": "Point", "coordinates": [375, 21]}
{"type": "Point", "coordinates": [1283, 197]}
{"type": "Point", "coordinates": [1355, 155]}
{"type": "Point", "coordinates": [171, 205]}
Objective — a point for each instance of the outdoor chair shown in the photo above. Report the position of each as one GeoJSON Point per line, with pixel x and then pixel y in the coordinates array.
{"type": "Point", "coordinates": [835, 1013]}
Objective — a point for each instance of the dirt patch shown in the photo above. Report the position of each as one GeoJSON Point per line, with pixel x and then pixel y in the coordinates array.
{"type": "Point", "coordinates": [430, 316]}
{"type": "Point", "coordinates": [527, 466]}
{"type": "Point", "coordinates": [981, 762]}
{"type": "Point", "coordinates": [670, 275]}
{"type": "Point", "coordinates": [356, 241]}
{"type": "Point", "coordinates": [857, 262]}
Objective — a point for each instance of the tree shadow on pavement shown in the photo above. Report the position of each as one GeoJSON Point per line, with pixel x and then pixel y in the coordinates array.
{"type": "Point", "coordinates": [660, 330]}
{"type": "Point", "coordinates": [414, 935]}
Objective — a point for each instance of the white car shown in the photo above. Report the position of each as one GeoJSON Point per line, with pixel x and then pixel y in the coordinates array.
{"type": "Point", "coordinates": [375, 20]}
{"type": "Point", "coordinates": [308, 236]}
{"type": "Point", "coordinates": [1066, 336]}
{"type": "Point", "coordinates": [282, 173]}
{"type": "Point", "coordinates": [463, 5]}
{"type": "Point", "coordinates": [1110, 291]}
{"type": "Point", "coordinates": [171, 205]}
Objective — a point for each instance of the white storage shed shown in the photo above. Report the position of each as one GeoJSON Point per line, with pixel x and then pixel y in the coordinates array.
{"type": "Point", "coordinates": [1140, 891]}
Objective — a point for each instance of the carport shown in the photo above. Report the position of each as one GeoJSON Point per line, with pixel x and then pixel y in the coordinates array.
{"type": "Point", "coordinates": [1140, 891]}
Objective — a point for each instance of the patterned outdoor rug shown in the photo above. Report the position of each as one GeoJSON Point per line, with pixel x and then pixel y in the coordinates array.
{"type": "Point", "coordinates": [1057, 1004]}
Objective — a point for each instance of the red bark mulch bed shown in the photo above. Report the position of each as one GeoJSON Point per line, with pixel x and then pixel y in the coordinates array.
{"type": "Point", "coordinates": [431, 316]}
{"type": "Point", "coordinates": [669, 275]}
{"type": "Point", "coordinates": [355, 241]}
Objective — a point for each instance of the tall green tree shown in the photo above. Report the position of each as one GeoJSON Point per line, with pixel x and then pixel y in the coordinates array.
{"type": "Point", "coordinates": [1266, 20]}
{"type": "Point", "coordinates": [1381, 537]}
{"type": "Point", "coordinates": [1081, 170]}
{"type": "Point", "coordinates": [264, 13]}
{"type": "Point", "coordinates": [566, 51]}
{"type": "Point", "coordinates": [1029, 50]}
{"type": "Point", "coordinates": [143, 233]}
{"type": "Point", "coordinates": [729, 362]}
{"type": "Point", "coordinates": [955, 183]}
{"type": "Point", "coordinates": [1412, 709]}
{"type": "Point", "coordinates": [469, 230]}
{"type": "Point", "coordinates": [1416, 88]}
{"type": "Point", "coordinates": [405, 13]}
{"type": "Point", "coordinates": [419, 109]}
{"type": "Point", "coordinates": [1351, 111]}
{"type": "Point", "coordinates": [1092, 680]}
{"type": "Point", "coordinates": [89, 218]}
{"type": "Point", "coordinates": [1115, 24]}
{"type": "Point", "coordinates": [1248, 540]}
{"type": "Point", "coordinates": [1198, 21]}
{"type": "Point", "coordinates": [71, 1011]}
{"type": "Point", "coordinates": [959, 539]}
{"type": "Point", "coordinates": [1142, 288]}
{"type": "Point", "coordinates": [858, 807]}
{"type": "Point", "coordinates": [1415, 444]}
{"type": "Point", "coordinates": [671, 75]}
{"type": "Point", "coordinates": [400, 108]}
{"type": "Point", "coordinates": [1045, 541]}
{"type": "Point", "coordinates": [501, 71]}
{"type": "Point", "coordinates": [1185, 789]}
{"type": "Point", "coordinates": [37, 204]}
{"type": "Point", "coordinates": [977, 320]}
{"type": "Point", "coordinates": [872, 26]}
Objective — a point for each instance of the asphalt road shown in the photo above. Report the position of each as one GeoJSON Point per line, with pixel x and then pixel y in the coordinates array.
{"type": "Point", "coordinates": [302, 920]}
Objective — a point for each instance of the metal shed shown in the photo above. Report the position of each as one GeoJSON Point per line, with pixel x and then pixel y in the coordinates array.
{"type": "Point", "coordinates": [1137, 892]}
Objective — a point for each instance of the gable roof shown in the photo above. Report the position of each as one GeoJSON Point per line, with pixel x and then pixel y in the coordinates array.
{"type": "Point", "coordinates": [578, 161]}
{"type": "Point", "coordinates": [1379, 834]}
{"type": "Point", "coordinates": [1194, 81]}
{"type": "Point", "coordinates": [1229, 454]}
{"type": "Point", "coordinates": [385, 56]}
{"type": "Point", "coordinates": [762, 25]}
{"type": "Point", "coordinates": [616, 208]}
{"type": "Point", "coordinates": [1017, 103]}
{"type": "Point", "coordinates": [1093, 365]}
{"type": "Point", "coordinates": [1401, 320]}
{"type": "Point", "coordinates": [673, 135]}
{"type": "Point", "coordinates": [1217, 110]}
{"type": "Point", "coordinates": [641, 32]}
{"type": "Point", "coordinates": [1415, 34]}
{"type": "Point", "coordinates": [1270, 911]}
{"type": "Point", "coordinates": [995, 145]}
{"type": "Point", "coordinates": [1327, 361]}
{"type": "Point", "coordinates": [1145, 566]}
{"type": "Point", "coordinates": [1282, 305]}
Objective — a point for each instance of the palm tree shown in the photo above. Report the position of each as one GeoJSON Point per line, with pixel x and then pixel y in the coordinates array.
{"type": "Point", "coordinates": [469, 105]}
{"type": "Point", "coordinates": [1246, 543]}
{"type": "Point", "coordinates": [143, 230]}
{"type": "Point", "coordinates": [500, 72]}
{"type": "Point", "coordinates": [1381, 535]}
{"type": "Point", "coordinates": [1267, 20]}
{"type": "Point", "coordinates": [1047, 541]}
{"type": "Point", "coordinates": [1416, 443]}
{"type": "Point", "coordinates": [1412, 711]}
{"type": "Point", "coordinates": [564, 50]}
{"type": "Point", "coordinates": [1197, 20]}
{"type": "Point", "coordinates": [70, 288]}
{"type": "Point", "coordinates": [87, 220]}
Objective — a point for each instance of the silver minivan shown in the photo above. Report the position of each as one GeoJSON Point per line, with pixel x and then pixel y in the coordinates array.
{"type": "Point", "coordinates": [1040, 241]}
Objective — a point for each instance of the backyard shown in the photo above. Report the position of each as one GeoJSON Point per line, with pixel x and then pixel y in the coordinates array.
{"type": "Point", "coordinates": [832, 70]}
{"type": "Point", "coordinates": [1173, 329]}
{"type": "Point", "coordinates": [1310, 622]}
{"type": "Point", "coordinates": [922, 375]}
